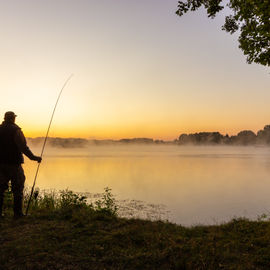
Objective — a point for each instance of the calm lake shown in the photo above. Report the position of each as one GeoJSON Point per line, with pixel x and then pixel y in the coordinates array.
{"type": "Point", "coordinates": [188, 185]}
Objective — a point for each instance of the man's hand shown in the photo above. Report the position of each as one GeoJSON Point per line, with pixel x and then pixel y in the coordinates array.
{"type": "Point", "coordinates": [38, 159]}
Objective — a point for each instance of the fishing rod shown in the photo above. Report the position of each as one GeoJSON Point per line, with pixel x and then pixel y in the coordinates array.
{"type": "Point", "coordinates": [44, 143]}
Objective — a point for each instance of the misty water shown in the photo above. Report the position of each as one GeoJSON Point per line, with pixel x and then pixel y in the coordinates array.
{"type": "Point", "coordinates": [187, 185]}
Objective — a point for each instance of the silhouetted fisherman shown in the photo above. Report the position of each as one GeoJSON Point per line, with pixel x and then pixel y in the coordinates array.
{"type": "Point", "coordinates": [12, 146]}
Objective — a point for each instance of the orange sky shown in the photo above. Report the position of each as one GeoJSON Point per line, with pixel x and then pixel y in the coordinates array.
{"type": "Point", "coordinates": [145, 73]}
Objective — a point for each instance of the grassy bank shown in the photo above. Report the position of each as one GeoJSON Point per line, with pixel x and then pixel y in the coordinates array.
{"type": "Point", "coordinates": [63, 232]}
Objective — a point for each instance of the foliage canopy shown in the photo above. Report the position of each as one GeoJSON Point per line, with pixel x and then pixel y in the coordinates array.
{"type": "Point", "coordinates": [251, 17]}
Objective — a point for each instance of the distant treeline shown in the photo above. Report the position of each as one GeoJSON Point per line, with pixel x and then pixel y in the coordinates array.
{"type": "Point", "coordinates": [59, 142]}
{"type": "Point", "coordinates": [79, 142]}
{"type": "Point", "coordinates": [245, 137]}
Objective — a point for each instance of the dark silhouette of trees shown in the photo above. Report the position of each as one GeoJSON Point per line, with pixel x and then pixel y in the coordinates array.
{"type": "Point", "coordinates": [201, 138]}
{"type": "Point", "coordinates": [246, 137]}
{"type": "Point", "coordinates": [251, 17]}
{"type": "Point", "coordinates": [60, 142]}
{"type": "Point", "coordinates": [263, 136]}
{"type": "Point", "coordinates": [137, 140]}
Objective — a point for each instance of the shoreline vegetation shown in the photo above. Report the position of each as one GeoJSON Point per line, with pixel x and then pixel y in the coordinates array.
{"type": "Point", "coordinates": [245, 137]}
{"type": "Point", "coordinates": [64, 232]}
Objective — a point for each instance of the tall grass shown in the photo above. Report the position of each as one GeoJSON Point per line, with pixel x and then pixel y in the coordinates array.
{"type": "Point", "coordinates": [63, 203]}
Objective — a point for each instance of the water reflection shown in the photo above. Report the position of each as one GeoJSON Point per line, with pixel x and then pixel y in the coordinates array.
{"type": "Point", "coordinates": [197, 184]}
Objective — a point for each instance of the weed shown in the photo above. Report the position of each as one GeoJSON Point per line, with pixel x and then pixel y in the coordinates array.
{"type": "Point", "coordinates": [107, 203]}
{"type": "Point", "coordinates": [69, 199]}
{"type": "Point", "coordinates": [66, 202]}
{"type": "Point", "coordinates": [8, 199]}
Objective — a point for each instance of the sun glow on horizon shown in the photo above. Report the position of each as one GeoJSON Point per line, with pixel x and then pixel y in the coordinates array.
{"type": "Point", "coordinates": [131, 132]}
{"type": "Point", "coordinates": [135, 75]}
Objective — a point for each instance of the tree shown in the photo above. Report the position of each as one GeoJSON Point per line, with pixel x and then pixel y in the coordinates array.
{"type": "Point", "coordinates": [246, 137]}
{"type": "Point", "coordinates": [251, 17]}
{"type": "Point", "coordinates": [264, 135]}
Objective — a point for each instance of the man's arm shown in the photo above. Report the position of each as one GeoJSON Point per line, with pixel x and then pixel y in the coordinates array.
{"type": "Point", "coordinates": [22, 145]}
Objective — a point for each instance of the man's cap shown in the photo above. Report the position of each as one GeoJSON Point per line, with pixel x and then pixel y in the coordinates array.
{"type": "Point", "coordinates": [10, 115]}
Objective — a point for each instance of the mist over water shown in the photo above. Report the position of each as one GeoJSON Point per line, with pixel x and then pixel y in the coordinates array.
{"type": "Point", "coordinates": [196, 184]}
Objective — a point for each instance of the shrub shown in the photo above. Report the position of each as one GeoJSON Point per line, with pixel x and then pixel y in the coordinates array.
{"type": "Point", "coordinates": [66, 202]}
{"type": "Point", "coordinates": [107, 204]}
{"type": "Point", "coordinates": [69, 199]}
{"type": "Point", "coordinates": [8, 200]}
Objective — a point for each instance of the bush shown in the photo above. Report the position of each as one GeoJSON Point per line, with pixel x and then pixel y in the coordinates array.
{"type": "Point", "coordinates": [66, 202]}
{"type": "Point", "coordinates": [8, 200]}
{"type": "Point", "coordinates": [107, 203]}
{"type": "Point", "coordinates": [69, 199]}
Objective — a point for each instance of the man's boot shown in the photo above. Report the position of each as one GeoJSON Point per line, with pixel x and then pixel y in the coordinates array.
{"type": "Point", "coordinates": [17, 208]}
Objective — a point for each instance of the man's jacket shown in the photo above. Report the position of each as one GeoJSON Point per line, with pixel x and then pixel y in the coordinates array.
{"type": "Point", "coordinates": [13, 144]}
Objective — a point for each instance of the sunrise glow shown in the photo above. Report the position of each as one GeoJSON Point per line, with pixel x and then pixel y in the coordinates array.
{"type": "Point", "coordinates": [138, 73]}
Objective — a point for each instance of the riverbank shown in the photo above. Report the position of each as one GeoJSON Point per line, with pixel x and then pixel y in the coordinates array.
{"type": "Point", "coordinates": [62, 231]}
{"type": "Point", "coordinates": [83, 239]}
